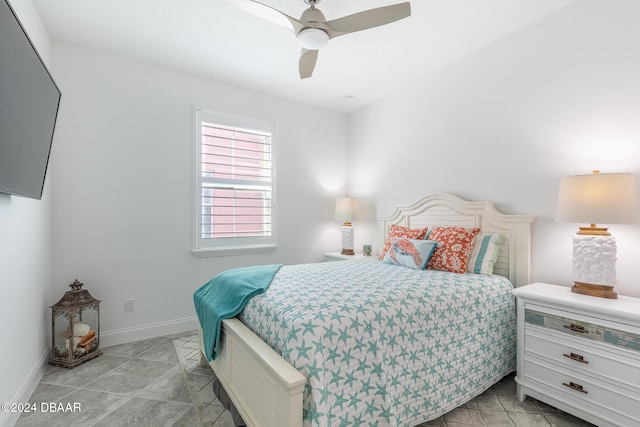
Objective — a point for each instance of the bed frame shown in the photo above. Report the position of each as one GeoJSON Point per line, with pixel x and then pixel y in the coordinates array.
{"type": "Point", "coordinates": [267, 390]}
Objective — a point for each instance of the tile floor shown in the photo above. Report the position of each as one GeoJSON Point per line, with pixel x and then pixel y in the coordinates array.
{"type": "Point", "coordinates": [154, 382]}
{"type": "Point", "coordinates": [158, 382]}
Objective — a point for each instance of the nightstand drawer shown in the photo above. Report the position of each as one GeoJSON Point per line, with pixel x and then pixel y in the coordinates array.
{"type": "Point", "coordinates": [565, 325]}
{"type": "Point", "coordinates": [582, 356]}
{"type": "Point", "coordinates": [619, 405]}
{"type": "Point", "coordinates": [588, 328]}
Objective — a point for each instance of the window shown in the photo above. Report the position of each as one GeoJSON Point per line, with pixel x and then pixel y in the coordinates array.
{"type": "Point", "coordinates": [233, 199]}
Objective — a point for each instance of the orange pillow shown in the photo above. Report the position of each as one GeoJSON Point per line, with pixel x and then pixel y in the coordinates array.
{"type": "Point", "coordinates": [453, 254]}
{"type": "Point", "coordinates": [402, 232]}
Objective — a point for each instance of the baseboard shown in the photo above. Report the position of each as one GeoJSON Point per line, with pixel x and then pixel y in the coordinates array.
{"type": "Point", "coordinates": [152, 330]}
{"type": "Point", "coordinates": [28, 387]}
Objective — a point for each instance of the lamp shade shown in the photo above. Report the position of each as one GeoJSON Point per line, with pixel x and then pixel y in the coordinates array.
{"type": "Point", "coordinates": [604, 198]}
{"type": "Point", "coordinates": [345, 208]}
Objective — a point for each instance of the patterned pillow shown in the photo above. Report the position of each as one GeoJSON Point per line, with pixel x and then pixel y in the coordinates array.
{"type": "Point", "coordinates": [484, 254]}
{"type": "Point", "coordinates": [453, 255]}
{"type": "Point", "coordinates": [396, 231]}
{"type": "Point", "coordinates": [410, 253]}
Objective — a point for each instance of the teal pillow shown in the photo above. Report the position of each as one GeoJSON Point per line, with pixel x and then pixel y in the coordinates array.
{"type": "Point", "coordinates": [410, 253]}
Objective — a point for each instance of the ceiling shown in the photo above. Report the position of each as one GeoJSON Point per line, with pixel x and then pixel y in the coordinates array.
{"type": "Point", "coordinates": [215, 39]}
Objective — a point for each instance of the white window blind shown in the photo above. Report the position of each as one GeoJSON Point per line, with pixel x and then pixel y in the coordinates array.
{"type": "Point", "coordinates": [235, 208]}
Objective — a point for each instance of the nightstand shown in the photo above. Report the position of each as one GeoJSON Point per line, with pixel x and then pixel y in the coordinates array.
{"type": "Point", "coordinates": [337, 256]}
{"type": "Point", "coordinates": [579, 353]}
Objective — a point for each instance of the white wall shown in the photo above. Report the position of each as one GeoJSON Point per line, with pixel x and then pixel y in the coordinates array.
{"type": "Point", "coordinates": [25, 268]}
{"type": "Point", "coordinates": [122, 195]}
{"type": "Point", "coordinates": [560, 97]}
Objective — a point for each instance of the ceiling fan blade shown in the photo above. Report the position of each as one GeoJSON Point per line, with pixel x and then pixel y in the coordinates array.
{"type": "Point", "coordinates": [268, 13]}
{"type": "Point", "coordinates": [368, 19]}
{"type": "Point", "coordinates": [308, 60]}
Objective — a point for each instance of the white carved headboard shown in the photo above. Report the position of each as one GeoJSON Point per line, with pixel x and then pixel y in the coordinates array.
{"type": "Point", "coordinates": [514, 261]}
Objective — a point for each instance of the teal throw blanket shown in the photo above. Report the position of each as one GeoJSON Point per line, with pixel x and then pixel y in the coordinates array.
{"type": "Point", "coordinates": [225, 296]}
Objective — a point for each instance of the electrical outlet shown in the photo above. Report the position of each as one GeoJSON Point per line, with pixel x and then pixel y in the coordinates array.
{"type": "Point", "coordinates": [129, 305]}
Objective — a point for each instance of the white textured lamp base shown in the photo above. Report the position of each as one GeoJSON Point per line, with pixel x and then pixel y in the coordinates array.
{"type": "Point", "coordinates": [347, 240]}
{"type": "Point", "coordinates": [594, 265]}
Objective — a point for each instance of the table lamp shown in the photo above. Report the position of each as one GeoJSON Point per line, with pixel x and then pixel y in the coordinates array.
{"type": "Point", "coordinates": [604, 198]}
{"type": "Point", "coordinates": [345, 210]}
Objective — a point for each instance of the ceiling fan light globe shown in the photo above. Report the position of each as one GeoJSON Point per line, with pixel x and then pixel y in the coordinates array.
{"type": "Point", "coordinates": [313, 38]}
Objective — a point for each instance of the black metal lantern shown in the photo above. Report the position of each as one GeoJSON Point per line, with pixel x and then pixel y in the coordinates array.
{"type": "Point", "coordinates": [75, 328]}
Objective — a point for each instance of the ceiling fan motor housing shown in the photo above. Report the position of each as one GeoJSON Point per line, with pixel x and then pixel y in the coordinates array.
{"type": "Point", "coordinates": [312, 16]}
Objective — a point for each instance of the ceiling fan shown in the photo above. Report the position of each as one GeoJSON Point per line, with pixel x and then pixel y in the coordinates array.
{"type": "Point", "coordinates": [313, 31]}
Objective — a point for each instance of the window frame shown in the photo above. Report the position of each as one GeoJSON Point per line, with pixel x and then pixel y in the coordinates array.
{"type": "Point", "coordinates": [221, 246]}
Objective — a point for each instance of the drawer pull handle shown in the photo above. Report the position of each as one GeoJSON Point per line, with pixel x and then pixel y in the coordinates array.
{"type": "Point", "coordinates": [575, 357]}
{"type": "Point", "coordinates": [576, 387]}
{"type": "Point", "coordinates": [576, 328]}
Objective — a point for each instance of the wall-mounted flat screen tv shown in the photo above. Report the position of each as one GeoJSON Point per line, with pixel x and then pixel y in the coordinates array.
{"type": "Point", "coordinates": [29, 100]}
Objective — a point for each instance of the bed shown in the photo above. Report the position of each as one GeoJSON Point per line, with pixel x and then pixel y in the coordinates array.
{"type": "Point", "coordinates": [387, 348]}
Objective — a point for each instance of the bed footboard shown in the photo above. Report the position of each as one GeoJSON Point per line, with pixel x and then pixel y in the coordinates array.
{"type": "Point", "coordinates": [265, 389]}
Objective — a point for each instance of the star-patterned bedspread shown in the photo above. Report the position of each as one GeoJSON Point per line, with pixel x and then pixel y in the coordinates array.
{"type": "Point", "coordinates": [385, 345]}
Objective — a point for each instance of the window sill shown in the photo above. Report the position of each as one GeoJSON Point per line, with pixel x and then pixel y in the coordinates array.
{"type": "Point", "coordinates": [236, 250]}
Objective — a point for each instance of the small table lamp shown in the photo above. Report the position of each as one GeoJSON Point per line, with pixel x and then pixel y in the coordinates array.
{"type": "Point", "coordinates": [345, 210]}
{"type": "Point", "coordinates": [608, 198]}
